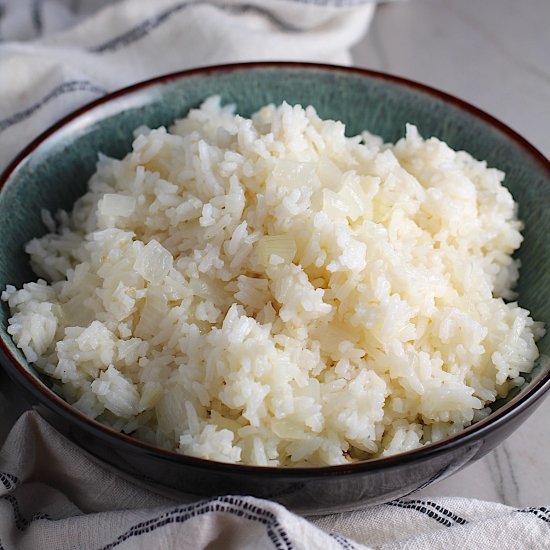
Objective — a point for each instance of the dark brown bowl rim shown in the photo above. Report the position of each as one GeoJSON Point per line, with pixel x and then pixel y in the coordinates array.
{"type": "Point", "coordinates": [470, 434]}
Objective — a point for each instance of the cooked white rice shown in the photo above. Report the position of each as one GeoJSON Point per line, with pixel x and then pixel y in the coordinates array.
{"type": "Point", "coordinates": [269, 291]}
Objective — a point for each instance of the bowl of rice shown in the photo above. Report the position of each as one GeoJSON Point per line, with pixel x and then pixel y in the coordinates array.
{"type": "Point", "coordinates": [320, 285]}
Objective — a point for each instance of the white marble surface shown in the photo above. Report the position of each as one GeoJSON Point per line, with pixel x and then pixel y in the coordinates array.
{"type": "Point", "coordinates": [494, 54]}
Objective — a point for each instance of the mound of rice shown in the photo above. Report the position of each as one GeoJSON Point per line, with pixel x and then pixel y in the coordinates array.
{"type": "Point", "coordinates": [271, 292]}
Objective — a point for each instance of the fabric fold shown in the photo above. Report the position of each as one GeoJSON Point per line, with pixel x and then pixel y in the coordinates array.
{"type": "Point", "coordinates": [133, 40]}
{"type": "Point", "coordinates": [54, 495]}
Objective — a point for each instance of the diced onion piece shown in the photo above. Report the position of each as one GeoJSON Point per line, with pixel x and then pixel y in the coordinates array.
{"type": "Point", "coordinates": [282, 246]}
{"type": "Point", "coordinates": [265, 114]}
{"type": "Point", "coordinates": [292, 174]}
{"type": "Point", "coordinates": [353, 195]}
{"type": "Point", "coordinates": [286, 429]}
{"type": "Point", "coordinates": [349, 202]}
{"type": "Point", "coordinates": [334, 206]}
{"type": "Point", "coordinates": [151, 394]}
{"type": "Point", "coordinates": [331, 336]}
{"type": "Point", "coordinates": [154, 262]}
{"type": "Point", "coordinates": [116, 205]}
{"type": "Point", "coordinates": [329, 174]}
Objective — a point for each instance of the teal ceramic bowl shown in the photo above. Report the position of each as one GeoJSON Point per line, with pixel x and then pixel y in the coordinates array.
{"type": "Point", "coordinates": [53, 171]}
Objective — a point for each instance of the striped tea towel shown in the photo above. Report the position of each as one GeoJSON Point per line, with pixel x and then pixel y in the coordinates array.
{"type": "Point", "coordinates": [53, 496]}
{"type": "Point", "coordinates": [69, 59]}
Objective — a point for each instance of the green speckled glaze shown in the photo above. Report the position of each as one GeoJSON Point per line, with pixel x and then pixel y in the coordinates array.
{"type": "Point", "coordinates": [55, 173]}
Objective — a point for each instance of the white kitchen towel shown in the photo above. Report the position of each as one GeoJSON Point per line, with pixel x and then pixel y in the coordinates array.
{"type": "Point", "coordinates": [56, 55]}
{"type": "Point", "coordinates": [53, 496]}
{"type": "Point", "coordinates": [74, 58]}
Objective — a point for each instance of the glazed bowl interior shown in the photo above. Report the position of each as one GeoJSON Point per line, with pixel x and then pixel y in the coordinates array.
{"type": "Point", "coordinates": [54, 171]}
